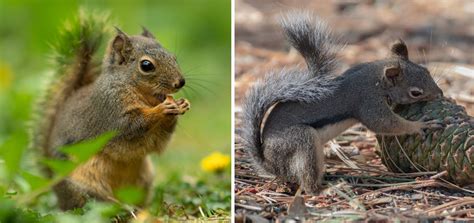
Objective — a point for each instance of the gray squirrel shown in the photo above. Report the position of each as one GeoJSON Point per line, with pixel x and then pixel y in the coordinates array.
{"type": "Point", "coordinates": [290, 114]}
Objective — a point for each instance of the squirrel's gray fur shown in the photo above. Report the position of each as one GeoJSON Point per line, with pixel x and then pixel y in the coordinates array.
{"type": "Point", "coordinates": [305, 33]}
{"type": "Point", "coordinates": [282, 86]}
{"type": "Point", "coordinates": [313, 39]}
{"type": "Point", "coordinates": [305, 109]}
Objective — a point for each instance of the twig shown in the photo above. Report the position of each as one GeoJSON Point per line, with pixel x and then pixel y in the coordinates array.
{"type": "Point", "coordinates": [439, 175]}
{"type": "Point", "coordinates": [253, 208]}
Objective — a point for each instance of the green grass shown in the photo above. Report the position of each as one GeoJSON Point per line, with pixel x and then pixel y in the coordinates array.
{"type": "Point", "coordinates": [198, 32]}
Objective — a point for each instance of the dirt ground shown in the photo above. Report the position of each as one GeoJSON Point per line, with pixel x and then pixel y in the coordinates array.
{"type": "Point", "coordinates": [439, 34]}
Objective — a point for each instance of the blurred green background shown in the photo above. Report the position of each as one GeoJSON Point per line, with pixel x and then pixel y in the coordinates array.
{"type": "Point", "coordinates": [198, 32]}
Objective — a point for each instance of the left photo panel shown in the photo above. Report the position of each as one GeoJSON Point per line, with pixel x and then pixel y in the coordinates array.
{"type": "Point", "coordinates": [115, 111]}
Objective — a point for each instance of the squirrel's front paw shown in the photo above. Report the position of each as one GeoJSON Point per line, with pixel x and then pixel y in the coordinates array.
{"type": "Point", "coordinates": [183, 105]}
{"type": "Point", "coordinates": [168, 107]}
{"type": "Point", "coordinates": [432, 124]}
{"type": "Point", "coordinates": [429, 124]}
{"type": "Point", "coordinates": [172, 107]}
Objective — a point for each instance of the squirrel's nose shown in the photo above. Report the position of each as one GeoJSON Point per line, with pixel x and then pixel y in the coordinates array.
{"type": "Point", "coordinates": [180, 83]}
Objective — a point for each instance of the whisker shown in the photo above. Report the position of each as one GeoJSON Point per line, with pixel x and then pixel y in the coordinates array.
{"type": "Point", "coordinates": [202, 75]}
{"type": "Point", "coordinates": [433, 73]}
{"type": "Point", "coordinates": [442, 84]}
{"type": "Point", "coordinates": [194, 68]}
{"type": "Point", "coordinates": [202, 87]}
{"type": "Point", "coordinates": [204, 81]}
{"type": "Point", "coordinates": [431, 39]}
{"type": "Point", "coordinates": [185, 93]}
{"type": "Point", "coordinates": [440, 77]}
{"type": "Point", "coordinates": [440, 73]}
{"type": "Point", "coordinates": [202, 84]}
{"type": "Point", "coordinates": [195, 92]}
{"type": "Point", "coordinates": [198, 79]}
{"type": "Point", "coordinates": [425, 59]}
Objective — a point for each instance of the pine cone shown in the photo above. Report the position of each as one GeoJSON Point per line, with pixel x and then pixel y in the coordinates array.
{"type": "Point", "coordinates": [450, 149]}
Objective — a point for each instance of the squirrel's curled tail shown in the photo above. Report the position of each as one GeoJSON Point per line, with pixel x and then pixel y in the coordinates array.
{"type": "Point", "coordinates": [74, 67]}
{"type": "Point", "coordinates": [313, 40]}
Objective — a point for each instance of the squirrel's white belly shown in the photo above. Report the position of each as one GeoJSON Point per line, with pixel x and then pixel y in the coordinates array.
{"type": "Point", "coordinates": [328, 132]}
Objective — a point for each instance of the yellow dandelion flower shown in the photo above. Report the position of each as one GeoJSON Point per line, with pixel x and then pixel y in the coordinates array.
{"type": "Point", "coordinates": [215, 162]}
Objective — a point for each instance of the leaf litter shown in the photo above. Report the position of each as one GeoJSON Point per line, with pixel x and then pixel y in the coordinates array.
{"type": "Point", "coordinates": [357, 185]}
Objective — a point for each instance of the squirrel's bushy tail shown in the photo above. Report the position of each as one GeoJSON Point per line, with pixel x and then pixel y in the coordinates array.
{"type": "Point", "coordinates": [277, 87]}
{"type": "Point", "coordinates": [313, 39]}
{"type": "Point", "coordinates": [74, 68]}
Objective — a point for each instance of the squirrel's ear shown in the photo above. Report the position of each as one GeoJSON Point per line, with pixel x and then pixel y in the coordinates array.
{"type": "Point", "coordinates": [147, 33]}
{"type": "Point", "coordinates": [399, 49]}
{"type": "Point", "coordinates": [392, 72]}
{"type": "Point", "coordinates": [121, 46]}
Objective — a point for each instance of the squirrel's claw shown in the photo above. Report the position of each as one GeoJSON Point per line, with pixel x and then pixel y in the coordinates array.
{"type": "Point", "coordinates": [172, 107]}
{"type": "Point", "coordinates": [180, 101]}
{"type": "Point", "coordinates": [430, 124]}
{"type": "Point", "coordinates": [168, 107]}
{"type": "Point", "coordinates": [434, 124]}
{"type": "Point", "coordinates": [183, 105]}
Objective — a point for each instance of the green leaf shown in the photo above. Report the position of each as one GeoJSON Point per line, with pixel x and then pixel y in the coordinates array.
{"type": "Point", "coordinates": [12, 151]}
{"type": "Point", "coordinates": [80, 152]}
{"type": "Point", "coordinates": [60, 167]}
{"type": "Point", "coordinates": [130, 195]}
{"type": "Point", "coordinates": [34, 181]}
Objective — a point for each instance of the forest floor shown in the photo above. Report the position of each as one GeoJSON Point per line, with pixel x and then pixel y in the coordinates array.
{"type": "Point", "coordinates": [442, 40]}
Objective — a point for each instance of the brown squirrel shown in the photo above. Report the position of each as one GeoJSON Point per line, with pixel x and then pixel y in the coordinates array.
{"type": "Point", "coordinates": [289, 115]}
{"type": "Point", "coordinates": [130, 95]}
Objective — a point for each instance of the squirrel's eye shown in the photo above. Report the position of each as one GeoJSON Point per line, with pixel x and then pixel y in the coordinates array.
{"type": "Point", "coordinates": [416, 92]}
{"type": "Point", "coordinates": [147, 66]}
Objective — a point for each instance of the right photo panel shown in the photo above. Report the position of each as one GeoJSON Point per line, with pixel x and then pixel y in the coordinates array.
{"type": "Point", "coordinates": [354, 111]}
